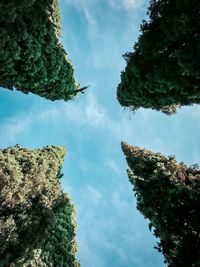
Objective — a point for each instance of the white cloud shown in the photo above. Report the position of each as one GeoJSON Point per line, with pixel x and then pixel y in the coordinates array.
{"type": "Point", "coordinates": [95, 113]}
{"type": "Point", "coordinates": [102, 33]}
{"type": "Point", "coordinates": [103, 229]}
{"type": "Point", "coordinates": [86, 112]}
{"type": "Point", "coordinates": [195, 110]}
{"type": "Point", "coordinates": [132, 4]}
{"type": "Point", "coordinates": [12, 128]}
{"type": "Point", "coordinates": [89, 16]}
{"type": "Point", "coordinates": [94, 194]}
{"type": "Point", "coordinates": [114, 166]}
{"type": "Point", "coordinates": [78, 3]}
{"type": "Point", "coordinates": [127, 4]}
{"type": "Point", "coordinates": [90, 113]}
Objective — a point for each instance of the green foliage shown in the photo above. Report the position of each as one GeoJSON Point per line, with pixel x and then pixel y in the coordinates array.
{"type": "Point", "coordinates": [163, 71]}
{"type": "Point", "coordinates": [35, 216]}
{"type": "Point", "coordinates": [168, 194]}
{"type": "Point", "coordinates": [31, 56]}
{"type": "Point", "coordinates": [58, 247]}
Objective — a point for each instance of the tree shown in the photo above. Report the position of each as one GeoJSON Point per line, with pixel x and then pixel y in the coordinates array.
{"type": "Point", "coordinates": [163, 71]}
{"type": "Point", "coordinates": [34, 212]}
{"type": "Point", "coordinates": [168, 194]}
{"type": "Point", "coordinates": [31, 56]}
{"type": "Point", "coordinates": [58, 247]}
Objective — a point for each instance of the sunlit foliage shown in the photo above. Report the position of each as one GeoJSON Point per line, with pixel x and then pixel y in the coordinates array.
{"type": "Point", "coordinates": [36, 217]}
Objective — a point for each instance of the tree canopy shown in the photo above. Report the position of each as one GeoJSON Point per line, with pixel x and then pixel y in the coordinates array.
{"type": "Point", "coordinates": [168, 194]}
{"type": "Point", "coordinates": [36, 218]}
{"type": "Point", "coordinates": [32, 58]}
{"type": "Point", "coordinates": [163, 71]}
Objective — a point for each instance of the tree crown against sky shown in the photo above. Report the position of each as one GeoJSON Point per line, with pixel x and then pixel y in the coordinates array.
{"type": "Point", "coordinates": [163, 71]}
{"type": "Point", "coordinates": [44, 140]}
{"type": "Point", "coordinates": [32, 58]}
{"type": "Point", "coordinates": [36, 217]}
{"type": "Point", "coordinates": [168, 194]}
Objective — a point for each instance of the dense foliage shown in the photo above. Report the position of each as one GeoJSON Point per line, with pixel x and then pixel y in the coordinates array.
{"type": "Point", "coordinates": [168, 194]}
{"type": "Point", "coordinates": [58, 247]}
{"type": "Point", "coordinates": [31, 56]}
{"type": "Point", "coordinates": [36, 217]}
{"type": "Point", "coordinates": [163, 71]}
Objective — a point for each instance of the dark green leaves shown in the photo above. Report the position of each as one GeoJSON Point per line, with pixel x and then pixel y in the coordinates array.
{"type": "Point", "coordinates": [168, 194]}
{"type": "Point", "coordinates": [163, 71]}
{"type": "Point", "coordinates": [31, 56]}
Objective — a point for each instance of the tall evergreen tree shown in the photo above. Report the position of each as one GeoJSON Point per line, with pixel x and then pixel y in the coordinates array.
{"type": "Point", "coordinates": [36, 217]}
{"type": "Point", "coordinates": [163, 71]}
{"type": "Point", "coordinates": [58, 246]}
{"type": "Point", "coordinates": [32, 58]}
{"type": "Point", "coordinates": [168, 194]}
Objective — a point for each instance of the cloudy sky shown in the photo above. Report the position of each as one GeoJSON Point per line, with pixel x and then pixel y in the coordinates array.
{"type": "Point", "coordinates": [96, 33]}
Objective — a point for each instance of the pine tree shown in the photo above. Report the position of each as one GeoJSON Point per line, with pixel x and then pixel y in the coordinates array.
{"type": "Point", "coordinates": [168, 194]}
{"type": "Point", "coordinates": [32, 58]}
{"type": "Point", "coordinates": [36, 217]}
{"type": "Point", "coordinates": [163, 71]}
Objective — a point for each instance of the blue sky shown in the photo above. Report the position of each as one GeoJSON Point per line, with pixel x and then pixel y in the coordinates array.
{"type": "Point", "coordinates": [111, 232]}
